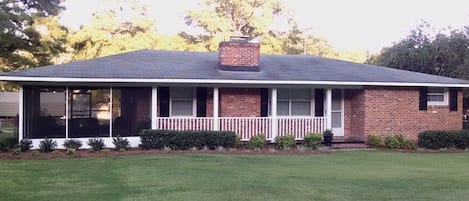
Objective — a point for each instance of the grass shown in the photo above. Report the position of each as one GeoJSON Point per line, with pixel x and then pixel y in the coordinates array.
{"type": "Point", "coordinates": [357, 175]}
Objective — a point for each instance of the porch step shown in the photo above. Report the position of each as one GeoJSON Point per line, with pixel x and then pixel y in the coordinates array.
{"type": "Point", "coordinates": [349, 146]}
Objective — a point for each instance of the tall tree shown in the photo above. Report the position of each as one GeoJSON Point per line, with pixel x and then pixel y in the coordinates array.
{"type": "Point", "coordinates": [123, 27]}
{"type": "Point", "coordinates": [221, 18]}
{"type": "Point", "coordinates": [21, 43]}
{"type": "Point", "coordinates": [298, 41]}
{"type": "Point", "coordinates": [443, 54]}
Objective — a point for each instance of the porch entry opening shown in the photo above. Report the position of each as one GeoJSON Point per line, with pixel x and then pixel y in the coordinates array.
{"type": "Point", "coordinates": [337, 112]}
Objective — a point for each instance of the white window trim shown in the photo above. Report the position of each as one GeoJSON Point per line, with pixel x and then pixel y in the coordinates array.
{"type": "Point", "coordinates": [439, 103]}
{"type": "Point", "coordinates": [311, 105]}
{"type": "Point", "coordinates": [194, 103]}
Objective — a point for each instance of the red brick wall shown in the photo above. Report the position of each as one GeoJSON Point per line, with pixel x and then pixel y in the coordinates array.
{"type": "Point", "coordinates": [353, 125]}
{"type": "Point", "coordinates": [386, 111]}
{"type": "Point", "coordinates": [239, 102]}
{"type": "Point", "coordinates": [239, 54]}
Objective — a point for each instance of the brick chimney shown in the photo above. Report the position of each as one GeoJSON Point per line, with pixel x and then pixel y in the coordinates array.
{"type": "Point", "coordinates": [239, 54]}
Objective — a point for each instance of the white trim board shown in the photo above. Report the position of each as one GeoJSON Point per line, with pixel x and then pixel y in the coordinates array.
{"type": "Point", "coordinates": [225, 81]}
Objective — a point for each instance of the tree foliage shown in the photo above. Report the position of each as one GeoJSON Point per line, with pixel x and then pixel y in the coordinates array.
{"type": "Point", "coordinates": [112, 32]}
{"type": "Point", "coordinates": [442, 54]}
{"type": "Point", "coordinates": [30, 34]}
{"type": "Point", "coordinates": [221, 18]}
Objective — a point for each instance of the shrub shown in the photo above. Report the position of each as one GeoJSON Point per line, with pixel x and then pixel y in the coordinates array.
{"type": "Point", "coordinates": [312, 140]}
{"type": "Point", "coordinates": [25, 145]}
{"type": "Point", "coordinates": [238, 142]}
{"type": "Point", "coordinates": [72, 144]}
{"type": "Point", "coordinates": [47, 145]}
{"type": "Point", "coordinates": [96, 144]}
{"type": "Point", "coordinates": [391, 142]}
{"type": "Point", "coordinates": [8, 142]}
{"type": "Point", "coordinates": [70, 151]}
{"type": "Point", "coordinates": [184, 140]}
{"type": "Point", "coordinates": [284, 143]}
{"type": "Point", "coordinates": [105, 151]}
{"type": "Point", "coordinates": [17, 151]}
{"type": "Point", "coordinates": [256, 142]}
{"type": "Point", "coordinates": [436, 139]}
{"type": "Point", "coordinates": [375, 140]}
{"type": "Point", "coordinates": [121, 144]}
{"type": "Point", "coordinates": [398, 142]}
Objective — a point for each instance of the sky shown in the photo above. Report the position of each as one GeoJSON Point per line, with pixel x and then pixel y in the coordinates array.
{"type": "Point", "coordinates": [356, 25]}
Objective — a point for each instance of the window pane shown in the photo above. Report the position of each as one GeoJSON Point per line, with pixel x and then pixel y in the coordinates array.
{"type": "Point", "coordinates": [131, 109]}
{"type": "Point", "coordinates": [181, 108]}
{"type": "Point", "coordinates": [44, 112]}
{"type": "Point", "coordinates": [436, 98]}
{"type": "Point", "coordinates": [182, 93]}
{"type": "Point", "coordinates": [283, 108]}
{"type": "Point", "coordinates": [301, 94]}
{"type": "Point", "coordinates": [336, 99]}
{"type": "Point", "coordinates": [283, 94]}
{"type": "Point", "coordinates": [301, 108]}
{"type": "Point", "coordinates": [89, 112]}
{"type": "Point", "coordinates": [336, 119]}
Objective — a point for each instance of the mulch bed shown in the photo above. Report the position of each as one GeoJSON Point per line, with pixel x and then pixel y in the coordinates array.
{"type": "Point", "coordinates": [61, 154]}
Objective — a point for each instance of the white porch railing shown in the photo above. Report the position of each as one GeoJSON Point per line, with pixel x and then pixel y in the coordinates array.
{"type": "Point", "coordinates": [300, 126]}
{"type": "Point", "coordinates": [184, 123]}
{"type": "Point", "coordinates": [246, 127]}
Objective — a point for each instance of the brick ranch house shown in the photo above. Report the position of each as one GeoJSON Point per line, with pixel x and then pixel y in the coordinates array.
{"type": "Point", "coordinates": [237, 89]}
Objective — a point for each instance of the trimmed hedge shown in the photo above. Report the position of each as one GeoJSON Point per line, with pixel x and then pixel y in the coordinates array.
{"type": "Point", "coordinates": [438, 139]}
{"type": "Point", "coordinates": [184, 140]}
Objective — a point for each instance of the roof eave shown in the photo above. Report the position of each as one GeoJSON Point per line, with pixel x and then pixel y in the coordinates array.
{"type": "Point", "coordinates": [227, 81]}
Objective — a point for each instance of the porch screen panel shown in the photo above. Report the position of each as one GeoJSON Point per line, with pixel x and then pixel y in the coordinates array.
{"type": "Point", "coordinates": [44, 112]}
{"type": "Point", "coordinates": [89, 114]}
{"type": "Point", "coordinates": [131, 111]}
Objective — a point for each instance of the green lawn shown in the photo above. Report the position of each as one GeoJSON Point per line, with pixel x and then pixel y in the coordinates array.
{"type": "Point", "coordinates": [356, 175]}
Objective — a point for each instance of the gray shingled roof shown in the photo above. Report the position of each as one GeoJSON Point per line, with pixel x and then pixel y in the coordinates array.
{"type": "Point", "coordinates": [158, 64]}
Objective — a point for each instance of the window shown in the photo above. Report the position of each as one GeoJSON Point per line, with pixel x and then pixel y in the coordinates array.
{"type": "Point", "coordinates": [182, 102]}
{"type": "Point", "coordinates": [89, 112]}
{"type": "Point", "coordinates": [437, 96]}
{"type": "Point", "coordinates": [292, 102]}
{"type": "Point", "coordinates": [44, 110]}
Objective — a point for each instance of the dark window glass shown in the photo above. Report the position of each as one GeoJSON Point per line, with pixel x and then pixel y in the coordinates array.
{"type": "Point", "coordinates": [89, 112]}
{"type": "Point", "coordinates": [44, 112]}
{"type": "Point", "coordinates": [131, 110]}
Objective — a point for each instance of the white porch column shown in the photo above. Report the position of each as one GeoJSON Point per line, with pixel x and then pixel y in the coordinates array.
{"type": "Point", "coordinates": [20, 114]}
{"type": "Point", "coordinates": [67, 111]}
{"type": "Point", "coordinates": [329, 109]}
{"type": "Point", "coordinates": [216, 122]}
{"type": "Point", "coordinates": [110, 112]}
{"type": "Point", "coordinates": [274, 114]}
{"type": "Point", "coordinates": [154, 107]}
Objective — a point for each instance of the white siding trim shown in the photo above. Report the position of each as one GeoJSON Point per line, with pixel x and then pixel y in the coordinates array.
{"type": "Point", "coordinates": [154, 107]}
{"type": "Point", "coordinates": [216, 125]}
{"type": "Point", "coordinates": [20, 115]}
{"type": "Point", "coordinates": [329, 108]}
{"type": "Point", "coordinates": [274, 114]}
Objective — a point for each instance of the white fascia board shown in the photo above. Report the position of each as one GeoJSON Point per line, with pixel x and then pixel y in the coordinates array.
{"type": "Point", "coordinates": [223, 81]}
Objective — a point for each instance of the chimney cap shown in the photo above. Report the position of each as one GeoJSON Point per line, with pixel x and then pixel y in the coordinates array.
{"type": "Point", "coordinates": [239, 38]}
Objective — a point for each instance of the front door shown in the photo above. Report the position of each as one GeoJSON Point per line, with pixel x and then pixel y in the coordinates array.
{"type": "Point", "coordinates": [337, 116]}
